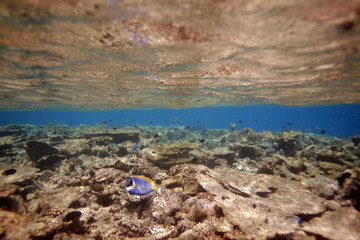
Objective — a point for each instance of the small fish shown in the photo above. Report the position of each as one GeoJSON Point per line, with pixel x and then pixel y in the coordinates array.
{"type": "Point", "coordinates": [298, 220]}
{"type": "Point", "coordinates": [281, 152]}
{"type": "Point", "coordinates": [290, 123]}
{"type": "Point", "coordinates": [270, 150]}
{"type": "Point", "coordinates": [136, 146]}
{"type": "Point", "coordinates": [323, 131]}
{"type": "Point", "coordinates": [141, 187]}
{"type": "Point", "coordinates": [240, 121]}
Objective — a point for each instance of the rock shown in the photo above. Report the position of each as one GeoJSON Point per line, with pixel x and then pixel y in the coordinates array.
{"type": "Point", "coordinates": [328, 167]}
{"type": "Point", "coordinates": [75, 147]}
{"type": "Point", "coordinates": [165, 206]}
{"type": "Point", "coordinates": [14, 226]}
{"type": "Point", "coordinates": [176, 133]}
{"type": "Point", "coordinates": [100, 151]}
{"type": "Point", "coordinates": [329, 156]}
{"type": "Point", "coordinates": [13, 203]}
{"type": "Point", "coordinates": [9, 201]}
{"type": "Point", "coordinates": [249, 136]}
{"type": "Point", "coordinates": [100, 141]}
{"type": "Point", "coordinates": [349, 191]}
{"type": "Point", "coordinates": [187, 235]}
{"type": "Point", "coordinates": [258, 203]}
{"type": "Point", "coordinates": [167, 156]}
{"type": "Point", "coordinates": [294, 165]}
{"type": "Point", "coordinates": [183, 180]}
{"type": "Point", "coordinates": [56, 140]}
{"type": "Point", "coordinates": [118, 137]}
{"type": "Point", "coordinates": [105, 199]}
{"type": "Point", "coordinates": [6, 150]}
{"type": "Point", "coordinates": [223, 226]}
{"type": "Point", "coordinates": [356, 139]}
{"type": "Point", "coordinates": [289, 142]}
{"type": "Point", "coordinates": [267, 135]}
{"type": "Point", "coordinates": [12, 130]}
{"type": "Point", "coordinates": [340, 224]}
{"type": "Point", "coordinates": [224, 153]}
{"type": "Point", "coordinates": [246, 165]}
{"type": "Point", "coordinates": [62, 198]}
{"type": "Point", "coordinates": [324, 187]}
{"type": "Point", "coordinates": [36, 150]}
{"type": "Point", "coordinates": [21, 174]}
{"type": "Point", "coordinates": [121, 151]}
{"type": "Point", "coordinates": [250, 151]}
{"type": "Point", "coordinates": [130, 227]}
{"type": "Point", "coordinates": [204, 208]}
{"type": "Point", "coordinates": [107, 175]}
{"type": "Point", "coordinates": [332, 205]}
{"type": "Point", "coordinates": [6, 190]}
{"type": "Point", "coordinates": [49, 162]}
{"type": "Point", "coordinates": [231, 137]}
{"type": "Point", "coordinates": [270, 165]}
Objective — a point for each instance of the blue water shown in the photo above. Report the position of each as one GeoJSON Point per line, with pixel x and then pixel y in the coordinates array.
{"type": "Point", "coordinates": [335, 120]}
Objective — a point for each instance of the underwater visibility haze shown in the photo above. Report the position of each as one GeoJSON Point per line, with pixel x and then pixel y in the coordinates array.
{"type": "Point", "coordinates": [157, 119]}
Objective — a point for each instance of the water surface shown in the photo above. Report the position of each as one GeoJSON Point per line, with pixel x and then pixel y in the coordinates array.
{"type": "Point", "coordinates": [177, 54]}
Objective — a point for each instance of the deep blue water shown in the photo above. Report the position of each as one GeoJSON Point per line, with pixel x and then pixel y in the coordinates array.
{"type": "Point", "coordinates": [336, 120]}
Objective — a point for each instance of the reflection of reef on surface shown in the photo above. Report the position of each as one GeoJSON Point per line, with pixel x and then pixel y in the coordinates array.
{"type": "Point", "coordinates": [61, 182]}
{"type": "Point", "coordinates": [144, 54]}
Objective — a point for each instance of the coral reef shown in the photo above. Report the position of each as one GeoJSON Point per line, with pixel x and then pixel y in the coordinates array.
{"type": "Point", "coordinates": [60, 182]}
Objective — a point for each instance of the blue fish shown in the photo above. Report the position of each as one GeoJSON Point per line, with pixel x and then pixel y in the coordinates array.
{"type": "Point", "coordinates": [136, 146]}
{"type": "Point", "coordinates": [298, 220]}
{"type": "Point", "coordinates": [141, 187]}
{"type": "Point", "coordinates": [281, 152]}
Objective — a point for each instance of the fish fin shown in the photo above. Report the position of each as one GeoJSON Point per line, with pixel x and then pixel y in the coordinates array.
{"type": "Point", "coordinates": [160, 190]}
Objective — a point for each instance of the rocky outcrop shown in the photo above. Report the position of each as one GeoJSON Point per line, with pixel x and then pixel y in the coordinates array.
{"type": "Point", "coordinates": [167, 156]}
{"type": "Point", "coordinates": [289, 142]}
{"type": "Point", "coordinates": [262, 206]}
{"type": "Point", "coordinates": [116, 137]}
{"type": "Point", "coordinates": [342, 223]}
{"type": "Point", "coordinates": [36, 150]}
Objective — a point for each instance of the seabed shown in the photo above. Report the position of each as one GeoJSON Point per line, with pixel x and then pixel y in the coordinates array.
{"type": "Point", "coordinates": [61, 182]}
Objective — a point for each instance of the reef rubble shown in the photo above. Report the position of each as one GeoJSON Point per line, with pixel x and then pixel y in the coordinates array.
{"type": "Point", "coordinates": [60, 182]}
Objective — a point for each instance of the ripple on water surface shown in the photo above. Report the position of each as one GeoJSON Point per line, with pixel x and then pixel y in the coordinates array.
{"type": "Point", "coordinates": [114, 54]}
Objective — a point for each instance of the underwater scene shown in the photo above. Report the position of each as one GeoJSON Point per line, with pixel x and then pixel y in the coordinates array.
{"type": "Point", "coordinates": [189, 120]}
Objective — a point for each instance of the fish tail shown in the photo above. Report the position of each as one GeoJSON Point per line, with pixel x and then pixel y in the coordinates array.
{"type": "Point", "coordinates": [160, 190]}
